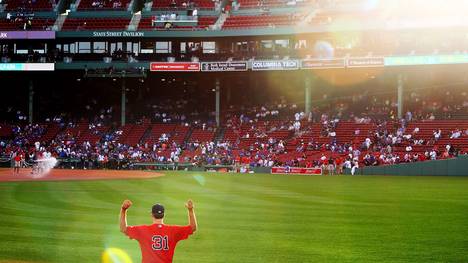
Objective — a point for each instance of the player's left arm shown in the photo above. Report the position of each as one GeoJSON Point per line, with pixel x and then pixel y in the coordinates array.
{"type": "Point", "coordinates": [191, 215]}
{"type": "Point", "coordinates": [123, 215]}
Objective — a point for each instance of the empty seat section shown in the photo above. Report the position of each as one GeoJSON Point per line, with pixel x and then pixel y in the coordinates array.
{"type": "Point", "coordinates": [178, 4]}
{"type": "Point", "coordinates": [6, 130]}
{"type": "Point", "coordinates": [180, 133]}
{"type": "Point", "coordinates": [136, 134]}
{"type": "Point", "coordinates": [28, 5]}
{"type": "Point", "coordinates": [95, 23]}
{"type": "Point", "coordinates": [199, 135]}
{"type": "Point", "coordinates": [238, 22]}
{"type": "Point", "coordinates": [156, 132]}
{"type": "Point", "coordinates": [268, 3]}
{"type": "Point", "coordinates": [36, 23]}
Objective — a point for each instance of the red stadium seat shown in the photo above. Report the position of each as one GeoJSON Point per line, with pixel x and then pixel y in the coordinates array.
{"type": "Point", "coordinates": [95, 23]}
{"type": "Point", "coordinates": [239, 22]}
{"type": "Point", "coordinates": [37, 24]}
{"type": "Point", "coordinates": [38, 5]}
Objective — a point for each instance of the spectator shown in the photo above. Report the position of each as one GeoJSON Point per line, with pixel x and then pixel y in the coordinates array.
{"type": "Point", "coordinates": [437, 134]}
{"type": "Point", "coordinates": [455, 134]}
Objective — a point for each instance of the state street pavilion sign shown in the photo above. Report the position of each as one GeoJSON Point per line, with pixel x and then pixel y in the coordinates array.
{"type": "Point", "coordinates": [118, 34]}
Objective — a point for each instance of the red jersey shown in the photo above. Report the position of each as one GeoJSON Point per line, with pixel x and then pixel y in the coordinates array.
{"type": "Point", "coordinates": [338, 161]}
{"type": "Point", "coordinates": [158, 241]}
{"type": "Point", "coordinates": [18, 158]}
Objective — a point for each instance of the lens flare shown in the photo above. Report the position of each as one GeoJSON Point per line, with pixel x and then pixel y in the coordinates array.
{"type": "Point", "coordinates": [200, 179]}
{"type": "Point", "coordinates": [115, 255]}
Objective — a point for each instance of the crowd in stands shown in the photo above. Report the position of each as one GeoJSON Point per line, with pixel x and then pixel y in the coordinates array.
{"type": "Point", "coordinates": [345, 126]}
{"type": "Point", "coordinates": [268, 135]}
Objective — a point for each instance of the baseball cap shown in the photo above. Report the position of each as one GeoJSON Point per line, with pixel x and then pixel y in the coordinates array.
{"type": "Point", "coordinates": [158, 210]}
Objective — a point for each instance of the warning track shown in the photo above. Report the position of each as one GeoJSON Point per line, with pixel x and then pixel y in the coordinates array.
{"type": "Point", "coordinates": [6, 175]}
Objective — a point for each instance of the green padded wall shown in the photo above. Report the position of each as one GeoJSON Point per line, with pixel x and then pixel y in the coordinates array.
{"type": "Point", "coordinates": [456, 166]}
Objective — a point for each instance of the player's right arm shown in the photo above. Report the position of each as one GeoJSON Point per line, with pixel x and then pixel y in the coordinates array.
{"type": "Point", "coordinates": [191, 215]}
{"type": "Point", "coordinates": [123, 216]}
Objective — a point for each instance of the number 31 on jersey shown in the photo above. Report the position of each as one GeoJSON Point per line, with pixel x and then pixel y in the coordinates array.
{"type": "Point", "coordinates": [160, 242]}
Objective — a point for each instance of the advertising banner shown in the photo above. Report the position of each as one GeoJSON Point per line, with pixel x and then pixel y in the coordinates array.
{"type": "Point", "coordinates": [27, 66]}
{"type": "Point", "coordinates": [27, 34]}
{"type": "Point", "coordinates": [323, 63]}
{"type": "Point", "coordinates": [295, 170]}
{"type": "Point", "coordinates": [175, 66]}
{"type": "Point", "coordinates": [224, 66]}
{"type": "Point", "coordinates": [275, 65]}
{"type": "Point", "coordinates": [365, 62]}
{"type": "Point", "coordinates": [426, 60]}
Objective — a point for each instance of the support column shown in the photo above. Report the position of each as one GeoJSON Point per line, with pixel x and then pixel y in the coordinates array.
{"type": "Point", "coordinates": [228, 87]}
{"type": "Point", "coordinates": [31, 102]}
{"type": "Point", "coordinates": [123, 103]}
{"type": "Point", "coordinates": [400, 96]}
{"type": "Point", "coordinates": [307, 92]}
{"type": "Point", "coordinates": [218, 102]}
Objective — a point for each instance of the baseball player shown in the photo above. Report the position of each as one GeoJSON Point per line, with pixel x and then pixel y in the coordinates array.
{"type": "Point", "coordinates": [18, 159]}
{"type": "Point", "coordinates": [158, 240]}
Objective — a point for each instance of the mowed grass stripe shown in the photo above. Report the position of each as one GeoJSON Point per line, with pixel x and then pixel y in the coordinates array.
{"type": "Point", "coordinates": [245, 218]}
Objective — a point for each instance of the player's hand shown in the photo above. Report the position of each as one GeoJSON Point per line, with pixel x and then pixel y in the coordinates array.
{"type": "Point", "coordinates": [126, 204]}
{"type": "Point", "coordinates": [189, 205]}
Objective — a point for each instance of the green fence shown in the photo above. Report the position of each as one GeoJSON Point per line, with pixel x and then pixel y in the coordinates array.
{"type": "Point", "coordinates": [452, 167]}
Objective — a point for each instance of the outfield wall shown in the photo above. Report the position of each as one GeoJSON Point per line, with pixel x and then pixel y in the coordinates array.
{"type": "Point", "coordinates": [452, 167]}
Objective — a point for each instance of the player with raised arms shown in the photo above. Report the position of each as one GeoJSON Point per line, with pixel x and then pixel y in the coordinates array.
{"type": "Point", "coordinates": [158, 240]}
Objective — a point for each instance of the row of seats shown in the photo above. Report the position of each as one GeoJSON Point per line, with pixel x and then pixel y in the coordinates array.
{"type": "Point", "coordinates": [122, 23]}
{"type": "Point", "coordinates": [167, 4]}
{"type": "Point", "coordinates": [200, 135]}
{"type": "Point", "coordinates": [203, 22]}
{"type": "Point", "coordinates": [131, 134]}
{"type": "Point", "coordinates": [95, 23]}
{"type": "Point", "coordinates": [5, 130]}
{"type": "Point", "coordinates": [270, 3]}
{"type": "Point", "coordinates": [157, 130]}
{"type": "Point", "coordinates": [36, 24]}
{"type": "Point", "coordinates": [92, 135]}
{"type": "Point", "coordinates": [51, 132]}
{"type": "Point", "coordinates": [157, 4]}
{"type": "Point", "coordinates": [36, 5]}
{"type": "Point", "coordinates": [233, 22]}
{"type": "Point", "coordinates": [174, 133]}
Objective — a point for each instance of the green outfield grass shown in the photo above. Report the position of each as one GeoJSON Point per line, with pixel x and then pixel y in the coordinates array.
{"type": "Point", "coordinates": [244, 218]}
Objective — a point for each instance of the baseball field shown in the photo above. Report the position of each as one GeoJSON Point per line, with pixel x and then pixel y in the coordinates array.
{"type": "Point", "coordinates": [242, 218]}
